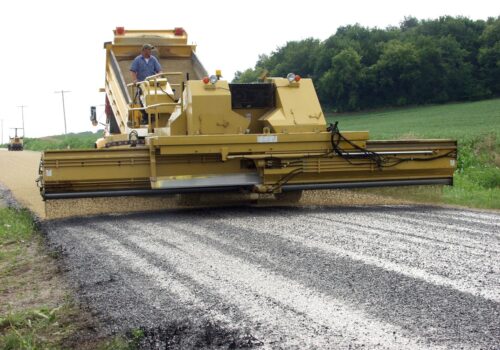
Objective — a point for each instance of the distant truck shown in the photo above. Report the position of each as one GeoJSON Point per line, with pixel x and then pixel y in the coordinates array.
{"type": "Point", "coordinates": [16, 143]}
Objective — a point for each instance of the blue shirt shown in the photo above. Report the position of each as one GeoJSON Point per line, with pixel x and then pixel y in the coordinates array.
{"type": "Point", "coordinates": [144, 69]}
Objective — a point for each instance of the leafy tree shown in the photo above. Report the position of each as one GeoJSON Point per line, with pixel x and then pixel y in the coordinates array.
{"type": "Point", "coordinates": [397, 70]}
{"type": "Point", "coordinates": [456, 72]}
{"type": "Point", "coordinates": [489, 56]}
{"type": "Point", "coordinates": [339, 85]}
{"type": "Point", "coordinates": [409, 23]}
{"type": "Point", "coordinates": [247, 76]}
{"type": "Point", "coordinates": [295, 56]}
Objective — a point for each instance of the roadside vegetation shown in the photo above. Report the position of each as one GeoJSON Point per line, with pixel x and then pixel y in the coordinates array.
{"type": "Point", "coordinates": [476, 127]}
{"type": "Point", "coordinates": [24, 323]}
{"type": "Point", "coordinates": [36, 309]}
{"type": "Point", "coordinates": [34, 313]}
{"type": "Point", "coordinates": [80, 140]}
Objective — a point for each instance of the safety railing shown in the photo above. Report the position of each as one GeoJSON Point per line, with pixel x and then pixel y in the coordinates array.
{"type": "Point", "coordinates": [154, 84]}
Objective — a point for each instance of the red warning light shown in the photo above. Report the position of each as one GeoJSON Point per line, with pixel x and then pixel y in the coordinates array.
{"type": "Point", "coordinates": [120, 30]}
{"type": "Point", "coordinates": [206, 80]}
{"type": "Point", "coordinates": [297, 78]}
{"type": "Point", "coordinates": [178, 31]}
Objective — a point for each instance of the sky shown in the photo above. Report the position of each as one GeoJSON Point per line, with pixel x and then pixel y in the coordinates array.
{"type": "Point", "coordinates": [55, 45]}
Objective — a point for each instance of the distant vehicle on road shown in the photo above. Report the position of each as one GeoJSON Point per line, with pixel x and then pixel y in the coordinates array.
{"type": "Point", "coordinates": [16, 143]}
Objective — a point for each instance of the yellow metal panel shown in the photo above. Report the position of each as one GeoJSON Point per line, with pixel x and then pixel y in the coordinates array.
{"type": "Point", "coordinates": [283, 143]}
{"type": "Point", "coordinates": [70, 171]}
{"type": "Point", "coordinates": [253, 114]}
{"type": "Point", "coordinates": [297, 108]}
{"type": "Point", "coordinates": [177, 124]}
{"type": "Point", "coordinates": [154, 37]}
{"type": "Point", "coordinates": [209, 110]}
{"type": "Point", "coordinates": [253, 138]}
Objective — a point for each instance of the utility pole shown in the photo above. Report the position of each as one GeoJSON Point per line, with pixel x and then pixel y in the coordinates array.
{"type": "Point", "coordinates": [62, 92]}
{"type": "Point", "coordinates": [22, 116]}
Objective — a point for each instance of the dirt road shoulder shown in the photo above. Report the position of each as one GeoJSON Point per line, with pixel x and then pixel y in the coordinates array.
{"type": "Point", "coordinates": [37, 308]}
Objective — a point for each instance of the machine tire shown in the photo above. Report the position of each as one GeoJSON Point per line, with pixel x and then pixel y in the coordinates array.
{"type": "Point", "coordinates": [290, 196]}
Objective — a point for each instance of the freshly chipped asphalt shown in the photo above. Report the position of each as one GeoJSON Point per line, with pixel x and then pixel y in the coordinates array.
{"type": "Point", "coordinates": [378, 277]}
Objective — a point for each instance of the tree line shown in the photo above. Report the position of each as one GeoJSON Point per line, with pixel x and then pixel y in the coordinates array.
{"type": "Point", "coordinates": [419, 62]}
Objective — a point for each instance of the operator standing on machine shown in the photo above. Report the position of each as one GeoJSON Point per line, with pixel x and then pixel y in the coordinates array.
{"type": "Point", "coordinates": [145, 64]}
{"type": "Point", "coordinates": [142, 67]}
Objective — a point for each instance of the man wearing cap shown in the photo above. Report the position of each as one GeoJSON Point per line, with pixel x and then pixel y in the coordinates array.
{"type": "Point", "coordinates": [145, 65]}
{"type": "Point", "coordinates": [142, 67]}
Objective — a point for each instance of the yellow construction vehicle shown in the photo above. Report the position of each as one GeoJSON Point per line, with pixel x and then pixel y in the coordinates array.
{"type": "Point", "coordinates": [16, 143]}
{"type": "Point", "coordinates": [204, 134]}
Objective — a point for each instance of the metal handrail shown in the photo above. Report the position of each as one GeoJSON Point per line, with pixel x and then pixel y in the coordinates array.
{"type": "Point", "coordinates": [155, 78]}
{"type": "Point", "coordinates": [163, 74]}
{"type": "Point", "coordinates": [154, 106]}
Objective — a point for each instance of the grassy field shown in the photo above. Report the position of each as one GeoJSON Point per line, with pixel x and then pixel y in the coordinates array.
{"type": "Point", "coordinates": [476, 127]}
{"type": "Point", "coordinates": [460, 121]}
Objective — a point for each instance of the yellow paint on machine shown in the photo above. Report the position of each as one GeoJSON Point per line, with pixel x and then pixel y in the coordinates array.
{"type": "Point", "coordinates": [182, 130]}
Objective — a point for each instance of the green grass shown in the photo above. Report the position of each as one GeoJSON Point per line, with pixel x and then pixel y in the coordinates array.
{"type": "Point", "coordinates": [28, 328]}
{"type": "Point", "coordinates": [476, 127]}
{"type": "Point", "coordinates": [29, 320]}
{"type": "Point", "coordinates": [460, 121]}
{"type": "Point", "coordinates": [129, 341]}
{"type": "Point", "coordinates": [40, 328]}
{"type": "Point", "coordinates": [15, 225]}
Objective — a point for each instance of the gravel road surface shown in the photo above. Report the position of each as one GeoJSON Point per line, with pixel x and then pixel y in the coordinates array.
{"type": "Point", "coordinates": [379, 277]}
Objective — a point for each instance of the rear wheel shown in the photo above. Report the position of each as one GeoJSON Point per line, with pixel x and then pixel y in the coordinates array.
{"type": "Point", "coordinates": [289, 196]}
